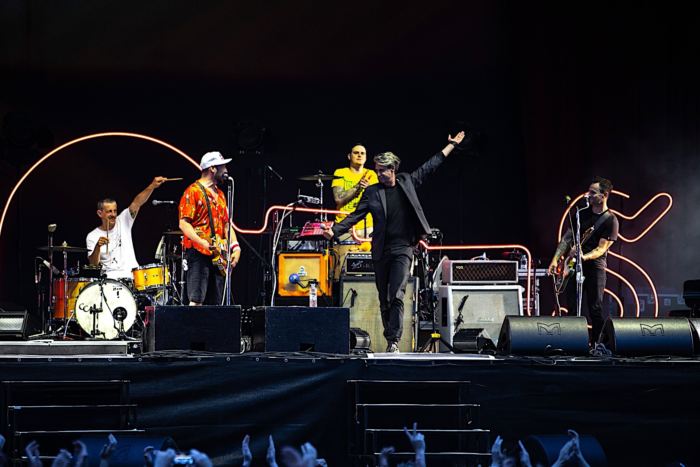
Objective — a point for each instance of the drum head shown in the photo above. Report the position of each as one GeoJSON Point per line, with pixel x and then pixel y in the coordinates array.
{"type": "Point", "coordinates": [104, 307]}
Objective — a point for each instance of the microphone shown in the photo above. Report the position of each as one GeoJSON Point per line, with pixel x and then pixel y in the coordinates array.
{"type": "Point", "coordinates": [274, 172]}
{"type": "Point", "coordinates": [229, 178]}
{"type": "Point", "coordinates": [157, 202]}
{"type": "Point", "coordinates": [567, 199]}
{"type": "Point", "coordinates": [48, 265]}
{"type": "Point", "coordinates": [309, 199]}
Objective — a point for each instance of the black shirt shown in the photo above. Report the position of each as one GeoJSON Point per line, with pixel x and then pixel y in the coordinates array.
{"type": "Point", "coordinates": [400, 220]}
{"type": "Point", "coordinates": [607, 230]}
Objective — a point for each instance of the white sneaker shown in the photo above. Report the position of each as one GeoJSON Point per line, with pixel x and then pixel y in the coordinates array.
{"type": "Point", "coordinates": [393, 347]}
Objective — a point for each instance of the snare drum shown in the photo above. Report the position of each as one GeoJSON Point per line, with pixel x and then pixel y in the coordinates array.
{"type": "Point", "coordinates": [75, 286]}
{"type": "Point", "coordinates": [150, 276]}
{"type": "Point", "coordinates": [104, 308]}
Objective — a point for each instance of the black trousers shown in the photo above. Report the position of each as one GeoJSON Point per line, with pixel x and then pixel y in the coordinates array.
{"type": "Point", "coordinates": [204, 282]}
{"type": "Point", "coordinates": [391, 274]}
{"type": "Point", "coordinates": [593, 287]}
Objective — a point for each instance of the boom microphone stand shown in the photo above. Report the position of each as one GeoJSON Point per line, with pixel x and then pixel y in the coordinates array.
{"type": "Point", "coordinates": [579, 256]}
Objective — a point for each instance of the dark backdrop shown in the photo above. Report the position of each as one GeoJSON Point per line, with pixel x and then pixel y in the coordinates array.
{"type": "Point", "coordinates": [558, 94]}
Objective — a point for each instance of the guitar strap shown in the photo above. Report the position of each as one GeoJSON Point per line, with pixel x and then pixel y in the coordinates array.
{"type": "Point", "coordinates": [211, 218]}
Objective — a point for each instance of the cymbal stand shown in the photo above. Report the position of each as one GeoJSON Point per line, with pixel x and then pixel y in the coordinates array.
{"type": "Point", "coordinates": [319, 184]}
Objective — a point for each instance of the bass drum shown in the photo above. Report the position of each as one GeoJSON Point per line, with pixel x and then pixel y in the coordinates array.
{"type": "Point", "coordinates": [105, 308]}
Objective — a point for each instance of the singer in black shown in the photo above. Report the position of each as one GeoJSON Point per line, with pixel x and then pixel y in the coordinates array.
{"type": "Point", "coordinates": [399, 222]}
{"type": "Point", "coordinates": [110, 244]}
{"type": "Point", "coordinates": [595, 251]}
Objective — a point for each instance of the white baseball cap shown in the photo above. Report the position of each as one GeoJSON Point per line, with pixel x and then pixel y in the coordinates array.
{"type": "Point", "coordinates": [211, 159]}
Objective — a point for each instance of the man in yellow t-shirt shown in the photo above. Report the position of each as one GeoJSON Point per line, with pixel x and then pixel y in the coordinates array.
{"type": "Point", "coordinates": [348, 189]}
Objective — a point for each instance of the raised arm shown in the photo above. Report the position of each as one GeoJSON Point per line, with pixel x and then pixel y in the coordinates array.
{"type": "Point", "coordinates": [142, 197]}
{"type": "Point", "coordinates": [428, 167]}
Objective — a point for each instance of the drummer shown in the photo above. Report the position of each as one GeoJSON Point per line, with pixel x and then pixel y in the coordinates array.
{"type": "Point", "coordinates": [349, 186]}
{"type": "Point", "coordinates": [110, 244]}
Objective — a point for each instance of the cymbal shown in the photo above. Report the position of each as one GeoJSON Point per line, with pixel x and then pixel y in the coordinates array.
{"type": "Point", "coordinates": [172, 232]}
{"type": "Point", "coordinates": [64, 248]}
{"type": "Point", "coordinates": [318, 176]}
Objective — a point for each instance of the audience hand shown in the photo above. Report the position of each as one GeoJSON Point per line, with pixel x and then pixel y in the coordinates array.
{"type": "Point", "coordinates": [384, 456]}
{"type": "Point", "coordinates": [200, 459]}
{"type": "Point", "coordinates": [63, 459]}
{"type": "Point", "coordinates": [33, 456]}
{"type": "Point", "coordinates": [163, 458]}
{"type": "Point", "coordinates": [570, 454]}
{"type": "Point", "coordinates": [271, 460]}
{"type": "Point", "coordinates": [79, 453]}
{"type": "Point", "coordinates": [245, 450]}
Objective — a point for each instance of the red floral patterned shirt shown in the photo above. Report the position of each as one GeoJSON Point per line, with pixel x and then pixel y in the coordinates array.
{"type": "Point", "coordinates": [193, 208]}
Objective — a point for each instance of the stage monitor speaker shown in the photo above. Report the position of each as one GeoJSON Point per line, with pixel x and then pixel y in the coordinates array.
{"type": "Point", "coordinates": [204, 328]}
{"type": "Point", "coordinates": [544, 335]}
{"type": "Point", "coordinates": [634, 337]}
{"type": "Point", "coordinates": [476, 307]}
{"type": "Point", "coordinates": [301, 329]}
{"type": "Point", "coordinates": [695, 326]}
{"type": "Point", "coordinates": [307, 266]}
{"type": "Point", "coordinates": [359, 294]}
{"type": "Point", "coordinates": [13, 325]}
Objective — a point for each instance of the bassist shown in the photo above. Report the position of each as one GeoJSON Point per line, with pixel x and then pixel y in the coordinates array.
{"type": "Point", "coordinates": [601, 227]}
{"type": "Point", "coordinates": [202, 205]}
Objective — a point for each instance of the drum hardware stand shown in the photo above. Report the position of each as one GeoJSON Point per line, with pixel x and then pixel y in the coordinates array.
{"type": "Point", "coordinates": [47, 323]}
{"type": "Point", "coordinates": [119, 314]}
{"type": "Point", "coordinates": [432, 344]}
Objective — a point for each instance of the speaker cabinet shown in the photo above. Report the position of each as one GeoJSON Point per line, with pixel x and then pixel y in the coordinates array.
{"type": "Point", "coordinates": [359, 294]}
{"type": "Point", "coordinates": [307, 266]}
{"type": "Point", "coordinates": [206, 328]}
{"type": "Point", "coordinates": [544, 335]}
{"type": "Point", "coordinates": [640, 337]}
{"type": "Point", "coordinates": [476, 307]}
{"type": "Point", "coordinates": [300, 329]}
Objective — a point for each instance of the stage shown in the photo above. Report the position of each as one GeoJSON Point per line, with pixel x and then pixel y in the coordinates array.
{"type": "Point", "coordinates": [643, 411]}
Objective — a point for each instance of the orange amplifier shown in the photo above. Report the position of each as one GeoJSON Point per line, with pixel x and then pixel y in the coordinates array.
{"type": "Point", "coordinates": [307, 266]}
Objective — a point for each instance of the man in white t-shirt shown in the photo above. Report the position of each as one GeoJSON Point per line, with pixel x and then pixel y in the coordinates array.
{"type": "Point", "coordinates": [110, 244]}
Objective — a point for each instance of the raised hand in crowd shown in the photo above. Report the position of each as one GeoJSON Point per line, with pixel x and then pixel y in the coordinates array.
{"type": "Point", "coordinates": [163, 458]}
{"type": "Point", "coordinates": [200, 459]}
{"type": "Point", "coordinates": [570, 454]}
{"type": "Point", "coordinates": [33, 456]}
{"type": "Point", "coordinates": [107, 450]}
{"type": "Point", "coordinates": [63, 459]}
{"type": "Point", "coordinates": [245, 451]}
{"type": "Point", "coordinates": [417, 440]}
{"type": "Point", "coordinates": [290, 457]}
{"type": "Point", "coordinates": [499, 458]}
{"type": "Point", "coordinates": [383, 460]}
{"type": "Point", "coordinates": [271, 460]}
{"type": "Point", "coordinates": [79, 454]}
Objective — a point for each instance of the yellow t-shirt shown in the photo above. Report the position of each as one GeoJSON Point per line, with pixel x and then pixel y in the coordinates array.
{"type": "Point", "coordinates": [348, 180]}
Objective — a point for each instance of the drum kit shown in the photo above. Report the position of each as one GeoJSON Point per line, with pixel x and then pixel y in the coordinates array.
{"type": "Point", "coordinates": [105, 308]}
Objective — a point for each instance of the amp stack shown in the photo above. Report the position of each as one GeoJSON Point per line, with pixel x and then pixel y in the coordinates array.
{"type": "Point", "coordinates": [359, 293]}
{"type": "Point", "coordinates": [474, 298]}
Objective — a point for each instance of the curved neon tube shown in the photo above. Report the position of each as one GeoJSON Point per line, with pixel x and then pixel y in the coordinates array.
{"type": "Point", "coordinates": [78, 140]}
{"type": "Point", "coordinates": [628, 284]}
{"type": "Point", "coordinates": [646, 276]}
{"type": "Point", "coordinates": [617, 299]}
{"type": "Point", "coordinates": [278, 207]}
{"type": "Point", "coordinates": [489, 247]}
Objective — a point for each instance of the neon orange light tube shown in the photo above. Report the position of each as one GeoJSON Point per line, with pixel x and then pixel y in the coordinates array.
{"type": "Point", "coordinates": [78, 140]}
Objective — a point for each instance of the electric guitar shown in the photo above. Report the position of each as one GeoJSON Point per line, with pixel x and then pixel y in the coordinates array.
{"type": "Point", "coordinates": [219, 257]}
{"type": "Point", "coordinates": [566, 263]}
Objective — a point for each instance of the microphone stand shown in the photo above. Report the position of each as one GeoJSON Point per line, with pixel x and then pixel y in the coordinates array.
{"type": "Point", "coordinates": [51, 301]}
{"type": "Point", "coordinates": [579, 258]}
{"type": "Point", "coordinates": [229, 205]}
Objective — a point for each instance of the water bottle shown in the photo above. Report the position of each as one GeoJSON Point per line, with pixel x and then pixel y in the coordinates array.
{"type": "Point", "coordinates": [313, 294]}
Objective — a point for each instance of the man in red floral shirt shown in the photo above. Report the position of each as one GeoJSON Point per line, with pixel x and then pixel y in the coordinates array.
{"type": "Point", "coordinates": [205, 282]}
